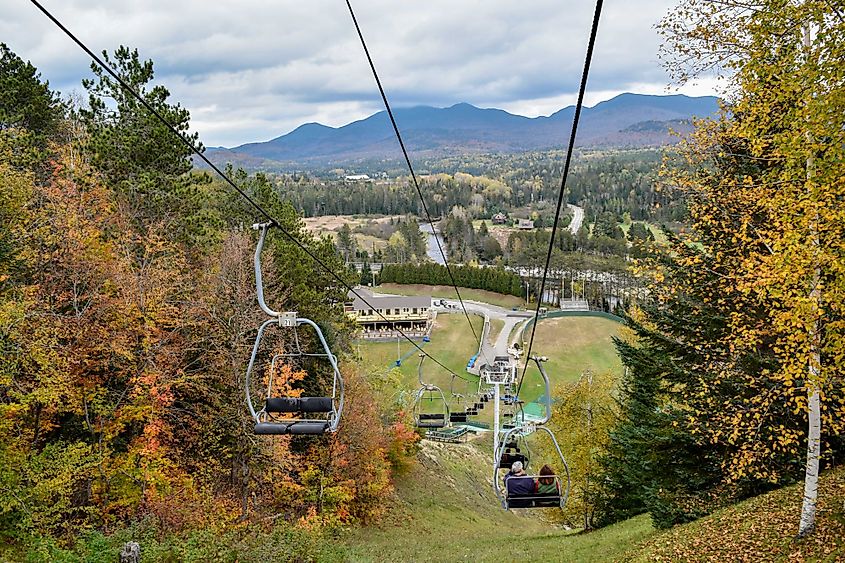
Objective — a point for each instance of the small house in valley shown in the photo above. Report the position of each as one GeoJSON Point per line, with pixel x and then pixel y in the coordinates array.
{"type": "Point", "coordinates": [358, 178]}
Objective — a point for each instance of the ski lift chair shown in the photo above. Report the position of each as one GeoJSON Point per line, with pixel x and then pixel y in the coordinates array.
{"type": "Point", "coordinates": [533, 500]}
{"type": "Point", "coordinates": [432, 394]}
{"type": "Point", "coordinates": [458, 417]}
{"type": "Point", "coordinates": [288, 414]}
{"type": "Point", "coordinates": [556, 499]}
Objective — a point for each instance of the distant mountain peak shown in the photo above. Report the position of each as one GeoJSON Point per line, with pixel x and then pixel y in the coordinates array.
{"type": "Point", "coordinates": [464, 128]}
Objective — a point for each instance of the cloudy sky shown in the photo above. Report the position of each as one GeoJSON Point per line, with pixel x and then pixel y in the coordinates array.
{"type": "Point", "coordinates": [251, 70]}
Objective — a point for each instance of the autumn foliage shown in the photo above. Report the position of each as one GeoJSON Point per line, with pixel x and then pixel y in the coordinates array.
{"type": "Point", "coordinates": [735, 383]}
{"type": "Point", "coordinates": [125, 326]}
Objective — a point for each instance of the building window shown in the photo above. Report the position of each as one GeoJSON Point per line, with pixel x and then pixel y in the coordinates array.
{"type": "Point", "coordinates": [416, 310]}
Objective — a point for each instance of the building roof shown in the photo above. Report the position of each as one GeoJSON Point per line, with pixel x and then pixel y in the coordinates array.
{"type": "Point", "coordinates": [386, 301]}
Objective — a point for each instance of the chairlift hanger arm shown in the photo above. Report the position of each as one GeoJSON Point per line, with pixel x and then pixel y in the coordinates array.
{"type": "Point", "coordinates": [259, 280]}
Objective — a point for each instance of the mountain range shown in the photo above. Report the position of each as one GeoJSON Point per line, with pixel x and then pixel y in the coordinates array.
{"type": "Point", "coordinates": [627, 120]}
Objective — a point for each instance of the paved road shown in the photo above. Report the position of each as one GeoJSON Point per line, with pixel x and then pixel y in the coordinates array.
{"type": "Point", "coordinates": [511, 319]}
{"type": "Point", "coordinates": [577, 218]}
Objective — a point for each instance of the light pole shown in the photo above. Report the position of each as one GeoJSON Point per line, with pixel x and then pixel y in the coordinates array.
{"type": "Point", "coordinates": [527, 300]}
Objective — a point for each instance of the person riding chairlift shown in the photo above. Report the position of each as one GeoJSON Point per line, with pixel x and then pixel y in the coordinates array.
{"type": "Point", "coordinates": [547, 485]}
{"type": "Point", "coordinates": [517, 482]}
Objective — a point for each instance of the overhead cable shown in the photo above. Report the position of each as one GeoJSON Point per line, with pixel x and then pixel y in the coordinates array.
{"type": "Point", "coordinates": [227, 179]}
{"type": "Point", "coordinates": [413, 174]}
{"type": "Point", "coordinates": [560, 196]}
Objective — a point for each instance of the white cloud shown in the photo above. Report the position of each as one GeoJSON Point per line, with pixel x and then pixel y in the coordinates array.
{"type": "Point", "coordinates": [252, 70]}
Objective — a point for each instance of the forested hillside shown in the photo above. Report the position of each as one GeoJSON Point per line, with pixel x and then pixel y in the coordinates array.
{"type": "Point", "coordinates": [616, 181]}
{"type": "Point", "coordinates": [127, 311]}
{"type": "Point", "coordinates": [627, 120]}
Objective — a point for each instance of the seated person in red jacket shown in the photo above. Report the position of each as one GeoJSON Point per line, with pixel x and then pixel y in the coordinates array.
{"type": "Point", "coordinates": [517, 482]}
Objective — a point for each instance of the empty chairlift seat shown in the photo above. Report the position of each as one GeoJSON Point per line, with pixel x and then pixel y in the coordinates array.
{"type": "Point", "coordinates": [300, 406]}
{"type": "Point", "coordinates": [458, 417]}
{"type": "Point", "coordinates": [431, 410]}
{"type": "Point", "coordinates": [290, 414]}
{"type": "Point", "coordinates": [431, 420]}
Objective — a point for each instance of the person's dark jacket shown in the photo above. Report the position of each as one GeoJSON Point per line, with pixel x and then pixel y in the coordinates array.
{"type": "Point", "coordinates": [519, 485]}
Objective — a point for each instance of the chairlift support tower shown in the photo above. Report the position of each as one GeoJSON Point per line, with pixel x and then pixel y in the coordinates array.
{"type": "Point", "coordinates": [502, 372]}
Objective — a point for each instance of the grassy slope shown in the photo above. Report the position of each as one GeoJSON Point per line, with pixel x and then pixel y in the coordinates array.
{"type": "Point", "coordinates": [759, 529]}
{"type": "Point", "coordinates": [445, 510]}
{"type": "Point", "coordinates": [573, 345]}
{"type": "Point", "coordinates": [448, 292]}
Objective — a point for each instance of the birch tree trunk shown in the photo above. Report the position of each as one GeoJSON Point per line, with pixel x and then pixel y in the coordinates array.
{"type": "Point", "coordinates": [811, 472]}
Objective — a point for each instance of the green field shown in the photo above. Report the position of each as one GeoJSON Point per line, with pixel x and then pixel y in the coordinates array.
{"type": "Point", "coordinates": [573, 345]}
{"type": "Point", "coordinates": [448, 292]}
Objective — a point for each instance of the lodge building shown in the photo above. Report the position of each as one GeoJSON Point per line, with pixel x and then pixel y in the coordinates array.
{"type": "Point", "coordinates": [385, 313]}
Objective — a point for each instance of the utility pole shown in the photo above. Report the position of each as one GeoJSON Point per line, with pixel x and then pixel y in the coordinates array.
{"type": "Point", "coordinates": [398, 348]}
